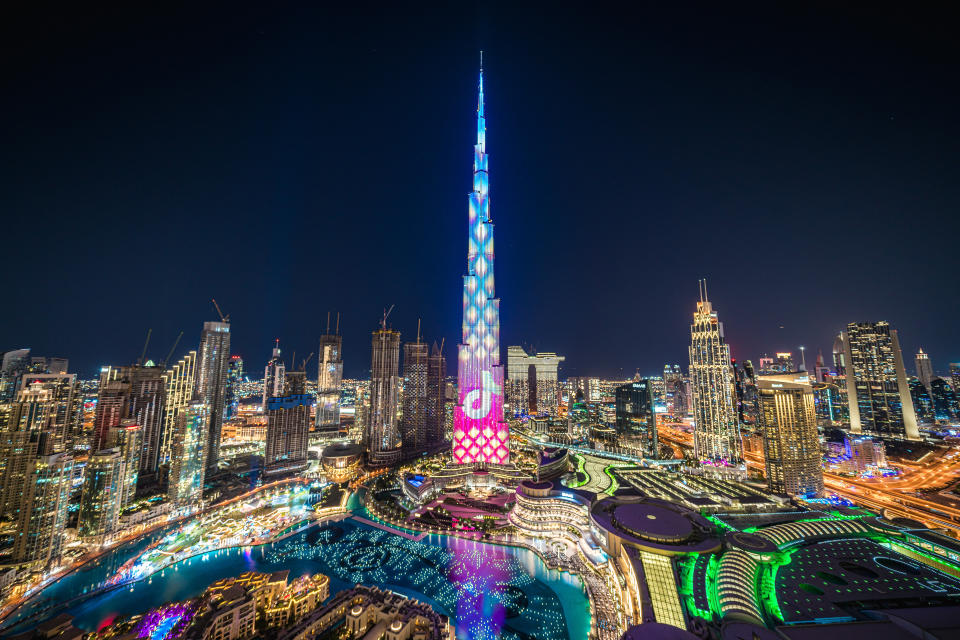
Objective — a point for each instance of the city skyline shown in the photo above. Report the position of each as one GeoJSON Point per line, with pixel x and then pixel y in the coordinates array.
{"type": "Point", "coordinates": [179, 499]}
{"type": "Point", "coordinates": [632, 128]}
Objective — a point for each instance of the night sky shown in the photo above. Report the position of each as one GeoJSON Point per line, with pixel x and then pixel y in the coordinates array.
{"type": "Point", "coordinates": [290, 159]}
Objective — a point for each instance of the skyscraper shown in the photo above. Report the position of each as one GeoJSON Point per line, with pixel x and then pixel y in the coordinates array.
{"type": "Point", "coordinates": [636, 418]}
{"type": "Point", "coordinates": [329, 376]}
{"type": "Point", "coordinates": [62, 405]}
{"type": "Point", "coordinates": [135, 393]}
{"type": "Point", "coordinates": [382, 435]}
{"type": "Point", "coordinates": [211, 383]}
{"type": "Point", "coordinates": [532, 385]}
{"type": "Point", "coordinates": [234, 378]}
{"type": "Point", "coordinates": [716, 435]}
{"type": "Point", "coordinates": [288, 426]}
{"type": "Point", "coordinates": [413, 425]}
{"type": "Point", "coordinates": [924, 368]}
{"type": "Point", "coordinates": [479, 431]}
{"type": "Point", "coordinates": [273, 376]}
{"type": "Point", "coordinates": [42, 515]}
{"type": "Point", "coordinates": [102, 496]}
{"type": "Point", "coordinates": [436, 396]}
{"type": "Point", "coordinates": [877, 391]}
{"type": "Point", "coordinates": [189, 456]}
{"type": "Point", "coordinates": [128, 438]}
{"type": "Point", "coordinates": [179, 385]}
{"type": "Point", "coordinates": [791, 443]}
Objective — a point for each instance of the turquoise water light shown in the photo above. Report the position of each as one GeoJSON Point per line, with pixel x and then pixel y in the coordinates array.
{"type": "Point", "coordinates": [488, 591]}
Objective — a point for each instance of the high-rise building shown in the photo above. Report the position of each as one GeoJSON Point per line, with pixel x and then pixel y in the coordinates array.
{"type": "Point", "coordinates": [877, 391]}
{"type": "Point", "coordinates": [14, 364]}
{"type": "Point", "coordinates": [588, 387]}
{"type": "Point", "coordinates": [273, 376]}
{"type": "Point", "coordinates": [676, 390]}
{"type": "Point", "coordinates": [436, 396]}
{"type": "Point", "coordinates": [382, 435]}
{"type": "Point", "coordinates": [24, 439]}
{"type": "Point", "coordinates": [179, 384]}
{"type": "Point", "coordinates": [102, 496]}
{"type": "Point", "coordinates": [716, 435]}
{"type": "Point", "coordinates": [288, 425]}
{"type": "Point", "coordinates": [211, 383]}
{"type": "Point", "coordinates": [922, 402]}
{"type": "Point", "coordinates": [479, 431]}
{"type": "Point", "coordinates": [62, 405]}
{"type": "Point", "coordinates": [137, 393]}
{"type": "Point", "coordinates": [924, 368]}
{"type": "Point", "coordinates": [791, 443]}
{"type": "Point", "coordinates": [944, 397]}
{"type": "Point", "coordinates": [329, 377]}
{"type": "Point", "coordinates": [128, 438]}
{"type": "Point", "coordinates": [42, 514]}
{"type": "Point", "coordinates": [955, 374]}
{"type": "Point", "coordinates": [532, 386]}
{"type": "Point", "coordinates": [189, 456]}
{"type": "Point", "coordinates": [636, 416]}
{"type": "Point", "coordinates": [413, 425]}
{"type": "Point", "coordinates": [234, 379]}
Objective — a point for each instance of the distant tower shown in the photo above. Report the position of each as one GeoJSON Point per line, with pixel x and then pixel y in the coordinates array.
{"type": "Point", "coordinates": [479, 431]}
{"type": "Point", "coordinates": [877, 391]}
{"type": "Point", "coordinates": [436, 396]}
{"type": "Point", "coordinates": [791, 443]}
{"type": "Point", "coordinates": [716, 435]}
{"type": "Point", "coordinates": [273, 376]}
{"type": "Point", "coordinates": [211, 383]}
{"type": "Point", "coordinates": [924, 369]}
{"type": "Point", "coordinates": [414, 423]}
{"type": "Point", "coordinates": [329, 377]}
{"type": "Point", "coordinates": [383, 438]}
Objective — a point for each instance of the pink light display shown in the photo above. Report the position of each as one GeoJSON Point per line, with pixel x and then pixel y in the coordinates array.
{"type": "Point", "coordinates": [479, 431]}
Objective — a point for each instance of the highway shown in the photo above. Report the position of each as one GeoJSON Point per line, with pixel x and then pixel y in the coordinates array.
{"type": "Point", "coordinates": [893, 497]}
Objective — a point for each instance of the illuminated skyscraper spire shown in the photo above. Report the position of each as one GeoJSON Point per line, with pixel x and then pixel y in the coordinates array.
{"type": "Point", "coordinates": [479, 432]}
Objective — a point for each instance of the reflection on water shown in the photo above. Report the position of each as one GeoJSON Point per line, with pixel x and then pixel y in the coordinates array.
{"type": "Point", "coordinates": [488, 591]}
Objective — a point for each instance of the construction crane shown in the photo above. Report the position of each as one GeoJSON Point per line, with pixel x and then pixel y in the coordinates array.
{"type": "Point", "coordinates": [170, 355]}
{"type": "Point", "coordinates": [303, 365]}
{"type": "Point", "coordinates": [223, 318]}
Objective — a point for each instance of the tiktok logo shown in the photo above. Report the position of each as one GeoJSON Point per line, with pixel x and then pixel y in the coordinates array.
{"type": "Point", "coordinates": [477, 403]}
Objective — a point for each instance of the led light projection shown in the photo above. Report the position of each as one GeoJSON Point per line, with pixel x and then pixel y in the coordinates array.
{"type": "Point", "coordinates": [479, 431]}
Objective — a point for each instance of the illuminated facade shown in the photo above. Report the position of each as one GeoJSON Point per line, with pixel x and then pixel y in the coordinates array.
{"type": "Point", "coordinates": [383, 437]}
{"type": "Point", "coordinates": [479, 431]}
{"type": "Point", "coordinates": [211, 383]}
{"type": "Point", "coordinates": [102, 496]}
{"type": "Point", "coordinates": [791, 442]}
{"type": "Point", "coordinates": [234, 380]}
{"type": "Point", "coordinates": [532, 382]}
{"type": "Point", "coordinates": [178, 383]}
{"type": "Point", "coordinates": [187, 464]}
{"type": "Point", "coordinates": [414, 423]}
{"type": "Point", "coordinates": [877, 391]}
{"type": "Point", "coordinates": [924, 368]}
{"type": "Point", "coordinates": [42, 514]}
{"type": "Point", "coordinates": [329, 376]}
{"type": "Point", "coordinates": [716, 436]}
{"type": "Point", "coordinates": [273, 377]}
